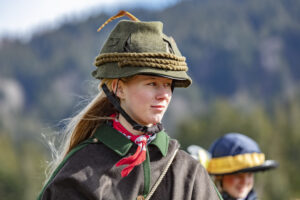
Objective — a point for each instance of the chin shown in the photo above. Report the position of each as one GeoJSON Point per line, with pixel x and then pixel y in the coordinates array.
{"type": "Point", "coordinates": [157, 120]}
{"type": "Point", "coordinates": [242, 195]}
{"type": "Point", "coordinates": [153, 120]}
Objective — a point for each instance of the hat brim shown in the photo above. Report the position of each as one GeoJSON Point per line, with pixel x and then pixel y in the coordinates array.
{"type": "Point", "coordinates": [111, 70]}
{"type": "Point", "coordinates": [267, 165]}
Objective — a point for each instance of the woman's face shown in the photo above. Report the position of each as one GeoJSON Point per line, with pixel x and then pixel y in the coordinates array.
{"type": "Point", "coordinates": [145, 98]}
{"type": "Point", "coordinates": [238, 185]}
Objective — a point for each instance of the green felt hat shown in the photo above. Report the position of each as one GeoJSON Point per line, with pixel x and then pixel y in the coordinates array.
{"type": "Point", "coordinates": [136, 47]}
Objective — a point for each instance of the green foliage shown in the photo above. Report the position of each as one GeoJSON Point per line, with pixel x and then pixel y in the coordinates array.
{"type": "Point", "coordinates": [10, 176]}
{"type": "Point", "coordinates": [21, 171]}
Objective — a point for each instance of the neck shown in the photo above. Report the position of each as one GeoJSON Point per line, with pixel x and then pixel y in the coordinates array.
{"type": "Point", "coordinates": [128, 126]}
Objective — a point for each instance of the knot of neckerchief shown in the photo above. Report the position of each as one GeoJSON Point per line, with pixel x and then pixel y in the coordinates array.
{"type": "Point", "coordinates": [115, 102]}
{"type": "Point", "coordinates": [140, 140]}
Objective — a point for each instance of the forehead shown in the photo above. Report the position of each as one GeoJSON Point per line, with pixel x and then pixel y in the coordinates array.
{"type": "Point", "coordinates": [238, 175]}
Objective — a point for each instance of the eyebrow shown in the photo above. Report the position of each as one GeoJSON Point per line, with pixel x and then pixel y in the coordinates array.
{"type": "Point", "coordinates": [155, 78]}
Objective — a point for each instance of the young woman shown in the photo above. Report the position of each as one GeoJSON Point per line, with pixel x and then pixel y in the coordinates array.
{"type": "Point", "coordinates": [234, 160]}
{"type": "Point", "coordinates": [116, 148]}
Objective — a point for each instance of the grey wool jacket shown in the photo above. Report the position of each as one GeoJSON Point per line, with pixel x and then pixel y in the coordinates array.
{"type": "Point", "coordinates": [89, 172]}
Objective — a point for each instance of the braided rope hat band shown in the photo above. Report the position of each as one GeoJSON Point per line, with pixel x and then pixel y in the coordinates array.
{"type": "Point", "coordinates": [136, 47]}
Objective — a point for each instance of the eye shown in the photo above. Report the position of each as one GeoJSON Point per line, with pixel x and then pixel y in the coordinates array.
{"type": "Point", "coordinates": [151, 84]}
{"type": "Point", "coordinates": [167, 84]}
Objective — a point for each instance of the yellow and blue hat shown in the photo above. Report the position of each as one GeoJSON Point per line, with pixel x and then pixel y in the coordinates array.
{"type": "Point", "coordinates": [234, 153]}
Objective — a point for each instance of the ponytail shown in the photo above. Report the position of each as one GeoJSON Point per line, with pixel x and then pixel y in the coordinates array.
{"type": "Point", "coordinates": [82, 126]}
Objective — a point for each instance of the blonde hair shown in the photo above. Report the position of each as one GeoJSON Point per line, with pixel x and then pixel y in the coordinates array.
{"type": "Point", "coordinates": [82, 126]}
{"type": "Point", "coordinates": [217, 179]}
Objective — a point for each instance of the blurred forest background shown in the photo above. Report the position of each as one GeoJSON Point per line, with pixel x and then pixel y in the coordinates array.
{"type": "Point", "coordinates": [243, 57]}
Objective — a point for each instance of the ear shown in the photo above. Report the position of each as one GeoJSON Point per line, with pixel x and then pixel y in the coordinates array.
{"type": "Point", "coordinates": [118, 88]}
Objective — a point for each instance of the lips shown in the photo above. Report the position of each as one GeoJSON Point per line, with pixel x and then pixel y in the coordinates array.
{"type": "Point", "coordinates": [158, 107]}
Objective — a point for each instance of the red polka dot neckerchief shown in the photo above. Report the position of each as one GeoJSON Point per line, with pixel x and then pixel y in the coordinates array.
{"type": "Point", "coordinates": [140, 155]}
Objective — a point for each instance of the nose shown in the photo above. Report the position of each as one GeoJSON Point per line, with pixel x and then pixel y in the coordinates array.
{"type": "Point", "coordinates": [163, 93]}
{"type": "Point", "coordinates": [243, 180]}
{"type": "Point", "coordinates": [246, 179]}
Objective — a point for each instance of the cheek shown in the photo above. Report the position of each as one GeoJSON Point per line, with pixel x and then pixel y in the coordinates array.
{"type": "Point", "coordinates": [251, 181]}
{"type": "Point", "coordinates": [230, 181]}
{"type": "Point", "coordinates": [169, 97]}
{"type": "Point", "coordinates": [142, 98]}
{"type": "Point", "coordinates": [139, 100]}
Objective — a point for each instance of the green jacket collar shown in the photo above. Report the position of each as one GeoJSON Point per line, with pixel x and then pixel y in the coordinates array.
{"type": "Point", "coordinates": [121, 145]}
